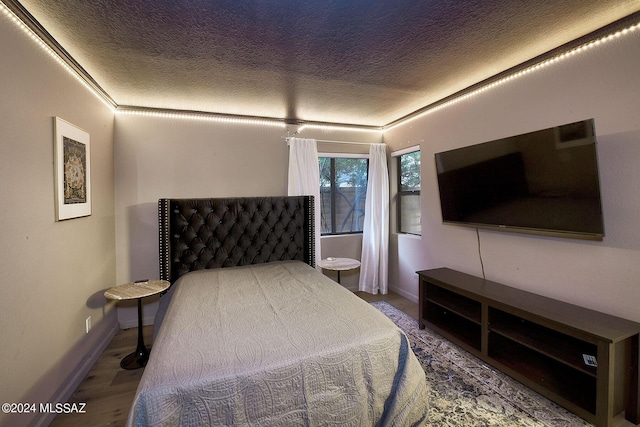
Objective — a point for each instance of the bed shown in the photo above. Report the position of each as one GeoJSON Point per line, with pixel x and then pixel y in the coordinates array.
{"type": "Point", "coordinates": [250, 333]}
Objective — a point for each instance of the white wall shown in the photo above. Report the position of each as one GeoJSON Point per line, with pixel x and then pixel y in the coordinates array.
{"type": "Point", "coordinates": [53, 273]}
{"type": "Point", "coordinates": [172, 157]}
{"type": "Point", "coordinates": [601, 84]}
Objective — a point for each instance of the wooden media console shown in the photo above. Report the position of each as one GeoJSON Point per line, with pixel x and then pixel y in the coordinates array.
{"type": "Point", "coordinates": [584, 360]}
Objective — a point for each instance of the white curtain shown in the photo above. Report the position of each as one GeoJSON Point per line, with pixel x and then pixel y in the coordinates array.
{"type": "Point", "coordinates": [304, 176]}
{"type": "Point", "coordinates": [374, 269]}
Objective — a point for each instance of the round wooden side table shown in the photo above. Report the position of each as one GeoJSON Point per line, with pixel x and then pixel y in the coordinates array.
{"type": "Point", "coordinates": [339, 264]}
{"type": "Point", "coordinates": [137, 290]}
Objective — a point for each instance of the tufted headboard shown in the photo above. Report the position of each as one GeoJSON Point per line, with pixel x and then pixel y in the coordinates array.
{"type": "Point", "coordinates": [198, 234]}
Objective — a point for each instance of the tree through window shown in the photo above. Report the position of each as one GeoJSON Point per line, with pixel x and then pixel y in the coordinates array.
{"type": "Point", "coordinates": [343, 190]}
{"type": "Point", "coordinates": [409, 214]}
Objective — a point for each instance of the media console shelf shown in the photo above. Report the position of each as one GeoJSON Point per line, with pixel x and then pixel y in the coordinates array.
{"type": "Point", "coordinates": [583, 360]}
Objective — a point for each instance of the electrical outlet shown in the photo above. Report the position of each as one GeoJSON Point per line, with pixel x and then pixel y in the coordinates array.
{"type": "Point", "coordinates": [87, 324]}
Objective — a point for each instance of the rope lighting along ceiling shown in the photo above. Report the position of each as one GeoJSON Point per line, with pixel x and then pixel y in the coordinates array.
{"type": "Point", "coordinates": [356, 63]}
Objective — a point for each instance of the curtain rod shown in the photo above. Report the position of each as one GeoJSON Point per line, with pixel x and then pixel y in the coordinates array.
{"type": "Point", "coordinates": [338, 142]}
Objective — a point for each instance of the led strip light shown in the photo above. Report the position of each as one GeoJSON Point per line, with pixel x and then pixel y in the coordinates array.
{"type": "Point", "coordinates": [281, 122]}
{"type": "Point", "coordinates": [200, 116]}
{"type": "Point", "coordinates": [53, 54]}
{"type": "Point", "coordinates": [526, 71]}
{"type": "Point", "coordinates": [338, 128]}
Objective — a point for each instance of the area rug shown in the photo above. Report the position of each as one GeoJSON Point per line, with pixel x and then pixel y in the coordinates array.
{"type": "Point", "coordinates": [464, 391]}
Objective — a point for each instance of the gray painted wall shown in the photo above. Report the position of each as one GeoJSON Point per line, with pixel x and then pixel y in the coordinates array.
{"type": "Point", "coordinates": [158, 157]}
{"type": "Point", "coordinates": [601, 83]}
{"type": "Point", "coordinates": [53, 273]}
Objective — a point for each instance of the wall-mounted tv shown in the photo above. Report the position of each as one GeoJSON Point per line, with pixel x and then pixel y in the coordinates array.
{"type": "Point", "coordinates": [543, 182]}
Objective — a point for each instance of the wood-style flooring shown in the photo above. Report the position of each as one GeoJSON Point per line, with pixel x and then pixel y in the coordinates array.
{"type": "Point", "coordinates": [108, 390]}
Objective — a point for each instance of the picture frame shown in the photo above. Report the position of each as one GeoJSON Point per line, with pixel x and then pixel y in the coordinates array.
{"type": "Point", "coordinates": [72, 170]}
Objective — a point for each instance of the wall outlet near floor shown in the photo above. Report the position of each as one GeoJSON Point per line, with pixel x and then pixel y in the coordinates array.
{"type": "Point", "coordinates": [87, 324]}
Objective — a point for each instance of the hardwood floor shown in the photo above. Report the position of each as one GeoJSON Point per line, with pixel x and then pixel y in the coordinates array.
{"type": "Point", "coordinates": [398, 301]}
{"type": "Point", "coordinates": [108, 390]}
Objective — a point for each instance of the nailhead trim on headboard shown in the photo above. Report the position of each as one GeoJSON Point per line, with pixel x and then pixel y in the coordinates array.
{"type": "Point", "coordinates": [163, 219]}
{"type": "Point", "coordinates": [310, 235]}
{"type": "Point", "coordinates": [223, 232]}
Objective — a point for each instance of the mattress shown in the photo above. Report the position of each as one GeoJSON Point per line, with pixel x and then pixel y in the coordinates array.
{"type": "Point", "coordinates": [276, 344]}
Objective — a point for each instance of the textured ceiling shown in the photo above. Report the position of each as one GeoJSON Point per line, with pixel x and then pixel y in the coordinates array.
{"type": "Point", "coordinates": [361, 62]}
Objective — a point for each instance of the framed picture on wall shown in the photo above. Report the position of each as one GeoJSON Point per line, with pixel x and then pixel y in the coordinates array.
{"type": "Point", "coordinates": [72, 169]}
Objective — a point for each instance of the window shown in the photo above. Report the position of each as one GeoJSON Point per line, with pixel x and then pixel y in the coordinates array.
{"type": "Point", "coordinates": [408, 201]}
{"type": "Point", "coordinates": [343, 190]}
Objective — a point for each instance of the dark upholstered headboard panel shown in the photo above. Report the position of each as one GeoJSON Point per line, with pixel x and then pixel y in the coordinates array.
{"type": "Point", "coordinates": [198, 234]}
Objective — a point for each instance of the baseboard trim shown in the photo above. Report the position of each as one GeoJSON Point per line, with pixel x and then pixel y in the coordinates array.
{"type": "Point", "coordinates": [72, 369]}
{"type": "Point", "coordinates": [128, 324]}
{"type": "Point", "coordinates": [407, 295]}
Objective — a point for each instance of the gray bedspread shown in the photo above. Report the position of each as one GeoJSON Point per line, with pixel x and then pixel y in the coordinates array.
{"type": "Point", "coordinates": [277, 344]}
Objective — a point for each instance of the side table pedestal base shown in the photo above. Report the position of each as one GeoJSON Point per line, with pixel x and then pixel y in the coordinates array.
{"type": "Point", "coordinates": [137, 359]}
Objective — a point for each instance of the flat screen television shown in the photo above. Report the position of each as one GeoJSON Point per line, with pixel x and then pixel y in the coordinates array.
{"type": "Point", "coordinates": [543, 182]}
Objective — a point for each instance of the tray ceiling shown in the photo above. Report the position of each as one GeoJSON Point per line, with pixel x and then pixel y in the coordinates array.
{"type": "Point", "coordinates": [360, 62]}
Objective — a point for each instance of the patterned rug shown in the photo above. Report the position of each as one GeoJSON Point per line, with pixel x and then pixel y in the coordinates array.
{"type": "Point", "coordinates": [464, 391]}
